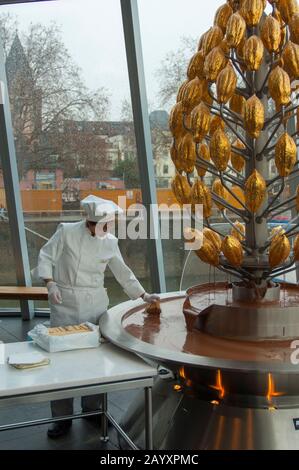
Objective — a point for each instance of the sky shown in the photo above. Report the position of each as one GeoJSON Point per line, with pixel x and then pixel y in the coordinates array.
{"type": "Point", "coordinates": [92, 32]}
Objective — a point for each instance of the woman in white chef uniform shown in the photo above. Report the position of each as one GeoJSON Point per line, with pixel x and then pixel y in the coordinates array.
{"type": "Point", "coordinates": [72, 264]}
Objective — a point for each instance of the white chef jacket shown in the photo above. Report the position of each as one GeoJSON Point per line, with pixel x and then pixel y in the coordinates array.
{"type": "Point", "coordinates": [76, 261]}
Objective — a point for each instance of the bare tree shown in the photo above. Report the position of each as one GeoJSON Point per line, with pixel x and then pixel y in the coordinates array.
{"type": "Point", "coordinates": [46, 89]}
{"type": "Point", "coordinates": [172, 70]}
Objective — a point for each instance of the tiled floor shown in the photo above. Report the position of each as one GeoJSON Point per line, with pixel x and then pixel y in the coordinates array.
{"type": "Point", "coordinates": [83, 434]}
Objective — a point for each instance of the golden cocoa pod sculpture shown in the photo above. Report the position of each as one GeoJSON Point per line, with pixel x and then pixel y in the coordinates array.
{"type": "Point", "coordinates": [232, 250]}
{"type": "Point", "coordinates": [279, 250]}
{"type": "Point", "coordinates": [222, 16]}
{"type": "Point", "coordinates": [237, 104]}
{"type": "Point", "coordinates": [181, 189]}
{"type": "Point", "coordinates": [253, 53]}
{"type": "Point", "coordinates": [236, 159]}
{"type": "Point", "coordinates": [278, 17]}
{"type": "Point", "coordinates": [176, 120]}
{"type": "Point", "coordinates": [226, 84]}
{"type": "Point", "coordinates": [213, 38]}
{"type": "Point", "coordinates": [271, 34]}
{"type": "Point", "coordinates": [207, 253]}
{"type": "Point", "coordinates": [200, 194]}
{"type": "Point", "coordinates": [235, 30]}
{"type": "Point", "coordinates": [220, 149]}
{"type": "Point", "coordinates": [285, 154]}
{"type": "Point", "coordinates": [216, 123]}
{"type": "Point", "coordinates": [287, 9]}
{"type": "Point", "coordinates": [195, 67]}
{"type": "Point", "coordinates": [220, 191]}
{"type": "Point", "coordinates": [255, 191]}
{"type": "Point", "coordinates": [181, 89]}
{"type": "Point", "coordinates": [175, 156]}
{"type": "Point", "coordinates": [191, 95]}
{"type": "Point", "coordinates": [187, 153]}
{"type": "Point", "coordinates": [213, 237]}
{"type": "Point", "coordinates": [252, 10]}
{"type": "Point", "coordinates": [294, 28]}
{"type": "Point", "coordinates": [290, 58]}
{"type": "Point", "coordinates": [200, 122]}
{"type": "Point", "coordinates": [214, 63]}
{"type": "Point", "coordinates": [254, 116]}
{"type": "Point", "coordinates": [235, 232]}
{"type": "Point", "coordinates": [204, 153]}
{"type": "Point", "coordinates": [296, 248]}
{"type": "Point", "coordinates": [279, 86]}
{"type": "Point", "coordinates": [276, 232]}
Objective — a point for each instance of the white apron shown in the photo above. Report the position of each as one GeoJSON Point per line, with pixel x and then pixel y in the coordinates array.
{"type": "Point", "coordinates": [76, 261]}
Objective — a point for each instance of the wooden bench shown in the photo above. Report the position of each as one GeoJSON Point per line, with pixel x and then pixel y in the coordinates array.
{"type": "Point", "coordinates": [23, 293]}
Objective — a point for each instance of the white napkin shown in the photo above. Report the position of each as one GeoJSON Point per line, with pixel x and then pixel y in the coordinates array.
{"type": "Point", "coordinates": [26, 358]}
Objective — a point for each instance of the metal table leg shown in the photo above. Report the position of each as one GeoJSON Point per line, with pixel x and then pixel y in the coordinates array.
{"type": "Point", "coordinates": [104, 419]}
{"type": "Point", "coordinates": [148, 418]}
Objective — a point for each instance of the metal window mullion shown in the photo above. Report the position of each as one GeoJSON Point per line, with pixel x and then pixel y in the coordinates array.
{"type": "Point", "coordinates": [12, 191]}
{"type": "Point", "coordinates": [132, 36]}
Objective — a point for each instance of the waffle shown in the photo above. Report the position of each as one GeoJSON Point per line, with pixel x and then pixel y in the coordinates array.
{"type": "Point", "coordinates": [68, 330]}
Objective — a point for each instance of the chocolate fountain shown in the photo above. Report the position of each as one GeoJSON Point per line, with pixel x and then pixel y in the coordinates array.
{"type": "Point", "coordinates": [231, 346]}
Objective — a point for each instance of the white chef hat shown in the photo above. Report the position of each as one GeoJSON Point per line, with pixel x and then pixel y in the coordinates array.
{"type": "Point", "coordinates": [99, 210]}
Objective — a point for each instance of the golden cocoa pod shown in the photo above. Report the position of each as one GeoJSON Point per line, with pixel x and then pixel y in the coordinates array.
{"type": "Point", "coordinates": [204, 153]}
{"type": "Point", "coordinates": [191, 95]}
{"type": "Point", "coordinates": [207, 253]}
{"type": "Point", "coordinates": [214, 63]}
{"type": "Point", "coordinates": [279, 86]}
{"type": "Point", "coordinates": [294, 28]}
{"type": "Point", "coordinates": [232, 250]}
{"type": "Point", "coordinates": [201, 40]}
{"type": "Point", "coordinates": [222, 16]}
{"type": "Point", "coordinates": [271, 34]}
{"type": "Point", "coordinates": [200, 122]}
{"type": "Point", "coordinates": [278, 17]}
{"type": "Point", "coordinates": [226, 84]}
{"type": "Point", "coordinates": [252, 10]}
{"type": "Point", "coordinates": [285, 154]}
{"type": "Point", "coordinates": [253, 53]}
{"type": "Point", "coordinates": [176, 120]}
{"type": "Point", "coordinates": [235, 232]}
{"type": "Point", "coordinates": [235, 30]}
{"type": "Point", "coordinates": [255, 191]}
{"type": "Point", "coordinates": [279, 250]}
{"type": "Point", "coordinates": [175, 156]}
{"type": "Point", "coordinates": [181, 189]}
{"type": "Point", "coordinates": [181, 90]}
{"type": "Point", "coordinates": [216, 123]}
{"type": "Point", "coordinates": [254, 116]}
{"type": "Point", "coordinates": [240, 50]}
{"type": "Point", "coordinates": [290, 58]}
{"type": "Point", "coordinates": [195, 67]}
{"type": "Point", "coordinates": [287, 9]}
{"type": "Point", "coordinates": [206, 97]}
{"type": "Point", "coordinates": [237, 104]}
{"type": "Point", "coordinates": [236, 159]}
{"type": "Point", "coordinates": [276, 232]}
{"type": "Point", "coordinates": [213, 38]}
{"type": "Point", "coordinates": [200, 194]}
{"type": "Point", "coordinates": [187, 153]}
{"type": "Point", "coordinates": [220, 149]}
{"type": "Point", "coordinates": [220, 191]}
{"type": "Point", "coordinates": [213, 237]}
{"type": "Point", "coordinates": [296, 248]}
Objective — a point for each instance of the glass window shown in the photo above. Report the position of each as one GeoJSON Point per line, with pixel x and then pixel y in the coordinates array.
{"type": "Point", "coordinates": [7, 264]}
{"type": "Point", "coordinates": [73, 136]}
